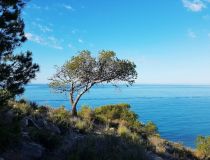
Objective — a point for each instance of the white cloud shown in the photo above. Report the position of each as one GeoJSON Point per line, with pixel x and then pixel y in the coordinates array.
{"type": "Point", "coordinates": [35, 38]}
{"type": "Point", "coordinates": [50, 41]}
{"type": "Point", "coordinates": [194, 5]}
{"type": "Point", "coordinates": [43, 28]}
{"type": "Point", "coordinates": [69, 7]}
{"type": "Point", "coordinates": [191, 34]}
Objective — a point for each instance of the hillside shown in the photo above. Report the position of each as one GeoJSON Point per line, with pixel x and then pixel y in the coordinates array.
{"type": "Point", "coordinates": [29, 131]}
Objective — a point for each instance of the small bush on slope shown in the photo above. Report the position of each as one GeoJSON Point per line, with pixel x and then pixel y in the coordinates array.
{"type": "Point", "coordinates": [119, 113]}
{"type": "Point", "coordinates": [203, 147]}
{"type": "Point", "coordinates": [61, 117]}
{"type": "Point", "coordinates": [150, 128]}
{"type": "Point", "coordinates": [86, 113]}
{"type": "Point", "coordinates": [83, 125]}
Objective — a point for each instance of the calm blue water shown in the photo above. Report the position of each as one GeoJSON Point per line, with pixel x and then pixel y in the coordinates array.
{"type": "Point", "coordinates": [181, 112]}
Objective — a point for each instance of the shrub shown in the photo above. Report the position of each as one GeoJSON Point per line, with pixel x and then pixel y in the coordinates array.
{"type": "Point", "coordinates": [83, 126]}
{"type": "Point", "coordinates": [33, 105]}
{"type": "Point", "coordinates": [116, 114]}
{"type": "Point", "coordinates": [43, 110]}
{"type": "Point", "coordinates": [135, 137]}
{"type": "Point", "coordinates": [203, 146]}
{"type": "Point", "coordinates": [61, 117]}
{"type": "Point", "coordinates": [106, 148]}
{"type": "Point", "coordinates": [86, 113]}
{"type": "Point", "coordinates": [151, 128]}
{"type": "Point", "coordinates": [123, 131]}
{"type": "Point", "coordinates": [22, 108]}
{"type": "Point", "coordinates": [45, 138]}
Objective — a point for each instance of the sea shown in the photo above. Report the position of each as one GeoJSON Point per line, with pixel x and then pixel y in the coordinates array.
{"type": "Point", "coordinates": [181, 112]}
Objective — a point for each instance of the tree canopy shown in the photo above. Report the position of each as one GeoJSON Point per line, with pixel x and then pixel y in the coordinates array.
{"type": "Point", "coordinates": [16, 69]}
{"type": "Point", "coordinates": [11, 26]}
{"type": "Point", "coordinates": [83, 71]}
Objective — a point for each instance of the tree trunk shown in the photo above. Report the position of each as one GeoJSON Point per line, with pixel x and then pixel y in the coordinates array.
{"type": "Point", "coordinates": [74, 110]}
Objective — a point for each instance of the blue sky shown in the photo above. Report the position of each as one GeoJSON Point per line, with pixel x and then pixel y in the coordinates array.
{"type": "Point", "coordinates": [169, 40]}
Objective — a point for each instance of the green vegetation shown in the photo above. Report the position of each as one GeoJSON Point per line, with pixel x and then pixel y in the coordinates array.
{"type": "Point", "coordinates": [203, 147]}
{"type": "Point", "coordinates": [106, 132]}
{"type": "Point", "coordinates": [116, 114]}
{"type": "Point", "coordinates": [86, 113]}
{"type": "Point", "coordinates": [60, 117]}
{"type": "Point", "coordinates": [82, 72]}
{"type": "Point", "coordinates": [16, 69]}
{"type": "Point", "coordinates": [40, 132]}
{"type": "Point", "coordinates": [151, 128]}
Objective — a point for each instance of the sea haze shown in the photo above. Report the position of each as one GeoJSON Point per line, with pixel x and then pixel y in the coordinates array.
{"type": "Point", "coordinates": [181, 112]}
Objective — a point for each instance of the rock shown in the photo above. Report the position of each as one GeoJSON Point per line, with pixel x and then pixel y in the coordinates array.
{"type": "Point", "coordinates": [31, 151]}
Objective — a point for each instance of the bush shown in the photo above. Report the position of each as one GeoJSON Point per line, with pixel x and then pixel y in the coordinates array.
{"type": "Point", "coordinates": [45, 138]}
{"type": "Point", "coordinates": [116, 114]}
{"type": "Point", "coordinates": [86, 113]}
{"type": "Point", "coordinates": [151, 128]}
{"type": "Point", "coordinates": [83, 126]}
{"type": "Point", "coordinates": [22, 108]}
{"type": "Point", "coordinates": [61, 117]}
{"type": "Point", "coordinates": [43, 110]}
{"type": "Point", "coordinates": [123, 131]}
{"type": "Point", "coordinates": [135, 137]}
{"type": "Point", "coordinates": [203, 146]}
{"type": "Point", "coordinates": [106, 148]}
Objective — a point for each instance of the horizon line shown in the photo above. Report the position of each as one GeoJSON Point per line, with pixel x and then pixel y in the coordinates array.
{"type": "Point", "coordinates": [204, 84]}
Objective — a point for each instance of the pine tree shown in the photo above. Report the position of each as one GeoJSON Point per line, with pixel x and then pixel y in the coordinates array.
{"type": "Point", "coordinates": [16, 70]}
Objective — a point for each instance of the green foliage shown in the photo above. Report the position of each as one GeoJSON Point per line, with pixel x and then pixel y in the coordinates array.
{"type": "Point", "coordinates": [82, 72]}
{"type": "Point", "coordinates": [16, 69]}
{"type": "Point", "coordinates": [22, 108]}
{"type": "Point", "coordinates": [203, 146]}
{"type": "Point", "coordinates": [119, 113]}
{"type": "Point", "coordinates": [123, 131]}
{"type": "Point", "coordinates": [61, 117]}
{"type": "Point", "coordinates": [11, 25]}
{"type": "Point", "coordinates": [45, 138]}
{"type": "Point", "coordinates": [86, 113]}
{"type": "Point", "coordinates": [151, 128]}
{"type": "Point", "coordinates": [43, 110]}
{"type": "Point", "coordinates": [106, 147]}
{"type": "Point", "coordinates": [4, 96]}
{"type": "Point", "coordinates": [83, 125]}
